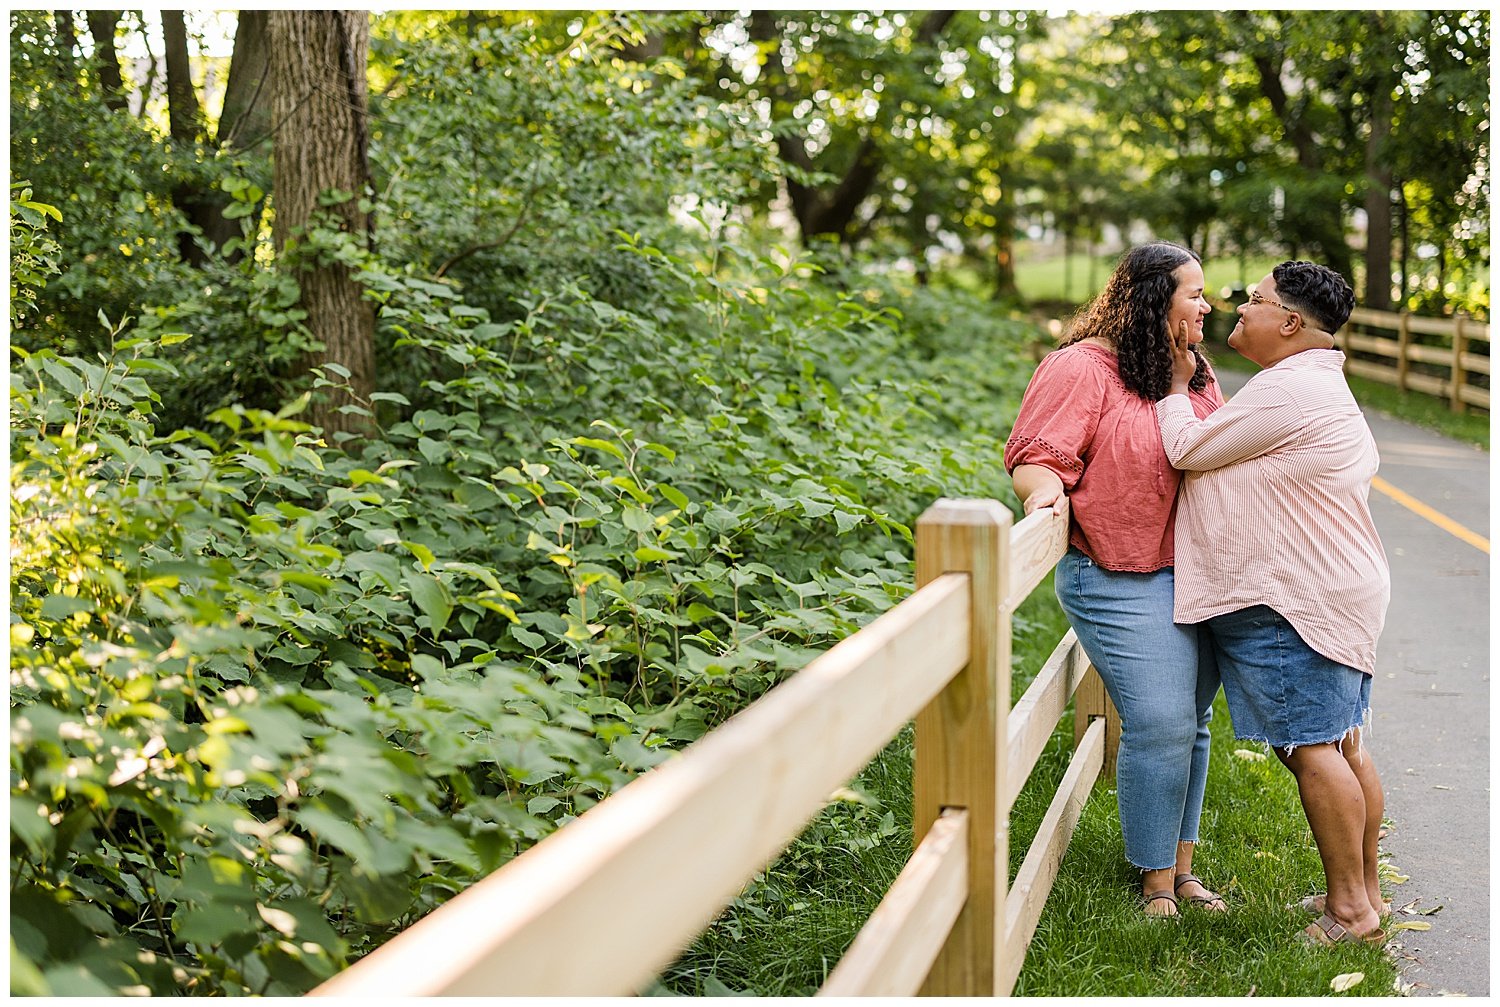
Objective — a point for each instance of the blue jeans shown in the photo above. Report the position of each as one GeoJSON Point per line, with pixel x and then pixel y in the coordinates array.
{"type": "Point", "coordinates": [1162, 680]}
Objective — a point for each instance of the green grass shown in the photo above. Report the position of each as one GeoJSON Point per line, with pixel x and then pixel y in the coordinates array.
{"type": "Point", "coordinates": [790, 926]}
{"type": "Point", "coordinates": [1424, 410]}
{"type": "Point", "coordinates": [1427, 411]}
{"type": "Point", "coordinates": [1255, 849]}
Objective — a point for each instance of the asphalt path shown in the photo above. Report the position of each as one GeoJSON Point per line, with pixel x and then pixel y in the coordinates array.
{"type": "Point", "coordinates": [1430, 701]}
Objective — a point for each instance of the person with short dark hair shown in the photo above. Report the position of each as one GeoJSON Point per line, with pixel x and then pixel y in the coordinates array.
{"type": "Point", "coordinates": [1279, 561]}
{"type": "Point", "coordinates": [1087, 430]}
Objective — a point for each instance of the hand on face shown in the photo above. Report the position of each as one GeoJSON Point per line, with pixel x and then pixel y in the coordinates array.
{"type": "Point", "coordinates": [1184, 360]}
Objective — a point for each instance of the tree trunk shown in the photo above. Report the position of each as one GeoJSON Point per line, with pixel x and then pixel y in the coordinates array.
{"type": "Point", "coordinates": [820, 212]}
{"type": "Point", "coordinates": [649, 48]}
{"type": "Point", "coordinates": [67, 50]}
{"type": "Point", "coordinates": [185, 124]}
{"type": "Point", "coordinates": [1325, 223]}
{"type": "Point", "coordinates": [185, 118]}
{"type": "Point", "coordinates": [1005, 252]}
{"type": "Point", "coordinates": [67, 37]}
{"type": "Point", "coordinates": [102, 25]}
{"type": "Point", "coordinates": [244, 122]}
{"type": "Point", "coordinates": [1405, 244]}
{"type": "Point", "coordinates": [1378, 192]}
{"type": "Point", "coordinates": [1378, 215]}
{"type": "Point", "coordinates": [320, 104]}
{"type": "Point", "coordinates": [246, 118]}
{"type": "Point", "coordinates": [1067, 237]}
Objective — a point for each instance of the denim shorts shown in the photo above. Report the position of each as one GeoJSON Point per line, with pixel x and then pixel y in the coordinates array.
{"type": "Point", "coordinates": [1279, 690]}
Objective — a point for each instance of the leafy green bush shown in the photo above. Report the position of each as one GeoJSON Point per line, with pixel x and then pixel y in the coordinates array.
{"type": "Point", "coordinates": [109, 175]}
{"type": "Point", "coordinates": [33, 253]}
{"type": "Point", "coordinates": [271, 701]}
{"type": "Point", "coordinates": [240, 752]}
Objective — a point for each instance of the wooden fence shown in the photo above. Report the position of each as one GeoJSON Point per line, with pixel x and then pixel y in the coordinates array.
{"type": "Point", "coordinates": [602, 905]}
{"type": "Point", "coordinates": [1443, 371]}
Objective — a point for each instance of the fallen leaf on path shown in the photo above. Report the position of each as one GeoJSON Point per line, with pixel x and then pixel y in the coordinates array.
{"type": "Point", "coordinates": [1439, 786]}
{"type": "Point", "coordinates": [1412, 925]}
{"type": "Point", "coordinates": [1347, 981]}
{"type": "Point", "coordinates": [1429, 912]}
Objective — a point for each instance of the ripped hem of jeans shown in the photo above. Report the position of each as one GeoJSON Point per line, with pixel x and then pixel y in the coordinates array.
{"type": "Point", "coordinates": [1364, 723]}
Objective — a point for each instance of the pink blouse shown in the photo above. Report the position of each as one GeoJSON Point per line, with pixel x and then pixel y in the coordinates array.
{"type": "Point", "coordinates": [1080, 421]}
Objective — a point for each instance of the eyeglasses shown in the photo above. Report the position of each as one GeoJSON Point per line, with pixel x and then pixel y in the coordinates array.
{"type": "Point", "coordinates": [1256, 297]}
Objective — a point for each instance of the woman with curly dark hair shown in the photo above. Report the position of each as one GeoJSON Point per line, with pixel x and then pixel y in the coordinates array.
{"type": "Point", "coordinates": [1088, 431]}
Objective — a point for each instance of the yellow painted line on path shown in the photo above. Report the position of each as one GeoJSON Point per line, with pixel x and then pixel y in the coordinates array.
{"type": "Point", "coordinates": [1443, 521]}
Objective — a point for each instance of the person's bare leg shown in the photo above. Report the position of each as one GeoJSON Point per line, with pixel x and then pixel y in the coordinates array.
{"type": "Point", "coordinates": [1334, 801]}
{"type": "Point", "coordinates": [1363, 766]}
{"type": "Point", "coordinates": [1158, 881]}
{"type": "Point", "coordinates": [1195, 889]}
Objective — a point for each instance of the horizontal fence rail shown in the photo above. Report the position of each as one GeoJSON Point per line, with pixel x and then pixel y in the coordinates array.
{"type": "Point", "coordinates": [675, 846]}
{"type": "Point", "coordinates": [1448, 369]}
{"type": "Point", "coordinates": [683, 838]}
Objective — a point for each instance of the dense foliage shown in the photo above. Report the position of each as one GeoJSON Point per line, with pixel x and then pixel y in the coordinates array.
{"type": "Point", "coordinates": [272, 700]}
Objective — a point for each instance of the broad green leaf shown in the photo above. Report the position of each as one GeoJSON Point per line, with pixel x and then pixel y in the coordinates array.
{"type": "Point", "coordinates": [651, 554]}
{"type": "Point", "coordinates": [427, 666]}
{"type": "Point", "coordinates": [630, 486]}
{"type": "Point", "coordinates": [431, 598]}
{"type": "Point", "coordinates": [360, 477]}
{"type": "Point", "coordinates": [421, 552]}
{"type": "Point", "coordinates": [599, 445]}
{"type": "Point", "coordinates": [60, 606]}
{"type": "Point", "coordinates": [636, 519]}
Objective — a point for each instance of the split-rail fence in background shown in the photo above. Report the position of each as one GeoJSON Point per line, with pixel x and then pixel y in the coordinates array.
{"type": "Point", "coordinates": [603, 904]}
{"type": "Point", "coordinates": [1444, 371]}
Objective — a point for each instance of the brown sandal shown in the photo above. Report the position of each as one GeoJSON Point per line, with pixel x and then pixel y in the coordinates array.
{"type": "Point", "coordinates": [1201, 901]}
{"type": "Point", "coordinates": [1151, 897]}
{"type": "Point", "coordinates": [1316, 904]}
{"type": "Point", "coordinates": [1325, 931]}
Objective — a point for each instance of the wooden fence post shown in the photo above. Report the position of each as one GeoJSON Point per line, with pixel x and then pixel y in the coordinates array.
{"type": "Point", "coordinates": [1091, 702]}
{"type": "Point", "coordinates": [1403, 346]}
{"type": "Point", "coordinates": [1460, 347]}
{"type": "Point", "coordinates": [960, 736]}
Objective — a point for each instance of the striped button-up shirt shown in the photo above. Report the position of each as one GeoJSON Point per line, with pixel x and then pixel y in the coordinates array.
{"type": "Point", "coordinates": [1274, 507]}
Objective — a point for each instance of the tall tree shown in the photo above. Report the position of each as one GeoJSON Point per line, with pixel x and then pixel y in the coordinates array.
{"type": "Point", "coordinates": [320, 104]}
{"type": "Point", "coordinates": [102, 25]}
{"type": "Point", "coordinates": [184, 116]}
{"type": "Point", "coordinates": [246, 117]}
{"type": "Point", "coordinates": [67, 48]}
{"type": "Point", "coordinates": [822, 209]}
{"type": "Point", "coordinates": [1440, 152]}
{"type": "Point", "coordinates": [185, 126]}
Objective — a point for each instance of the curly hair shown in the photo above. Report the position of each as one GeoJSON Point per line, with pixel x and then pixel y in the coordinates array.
{"type": "Point", "coordinates": [1317, 291]}
{"type": "Point", "coordinates": [1131, 313]}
